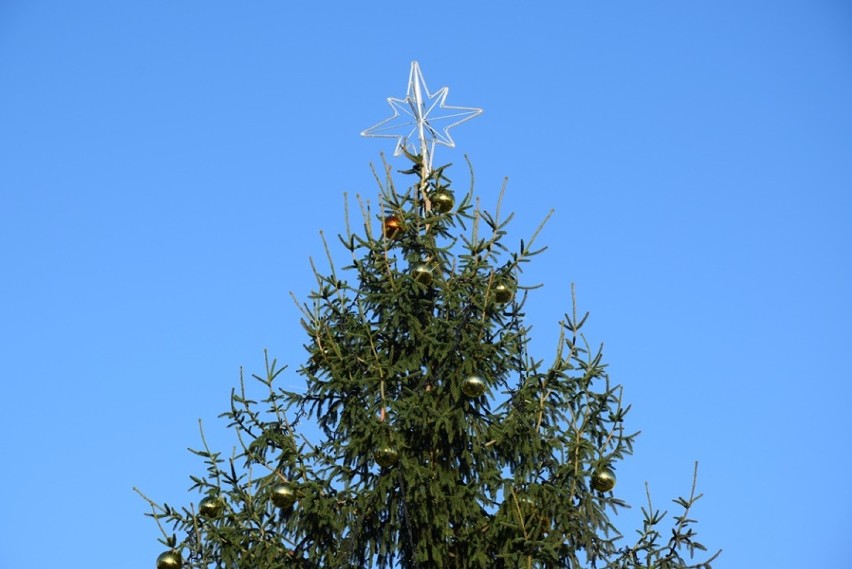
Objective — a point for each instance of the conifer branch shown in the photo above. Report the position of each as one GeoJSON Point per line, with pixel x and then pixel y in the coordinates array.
{"type": "Point", "coordinates": [154, 507]}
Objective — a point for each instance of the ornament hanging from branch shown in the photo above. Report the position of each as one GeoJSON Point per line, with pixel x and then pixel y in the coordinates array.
{"type": "Point", "coordinates": [421, 120]}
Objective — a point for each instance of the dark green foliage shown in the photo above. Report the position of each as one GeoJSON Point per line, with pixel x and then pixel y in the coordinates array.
{"type": "Point", "coordinates": [496, 481]}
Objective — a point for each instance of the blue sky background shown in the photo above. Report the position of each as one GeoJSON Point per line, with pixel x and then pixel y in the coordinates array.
{"type": "Point", "coordinates": [166, 167]}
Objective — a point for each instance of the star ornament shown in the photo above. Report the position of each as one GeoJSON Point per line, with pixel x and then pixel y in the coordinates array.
{"type": "Point", "coordinates": [422, 119]}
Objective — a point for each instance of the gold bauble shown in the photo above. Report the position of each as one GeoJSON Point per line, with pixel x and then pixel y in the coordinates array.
{"type": "Point", "coordinates": [392, 227]}
{"type": "Point", "coordinates": [442, 200]}
{"type": "Point", "coordinates": [503, 293]}
{"type": "Point", "coordinates": [473, 386]}
{"type": "Point", "coordinates": [283, 495]}
{"type": "Point", "coordinates": [169, 560]}
{"type": "Point", "coordinates": [603, 480]}
{"type": "Point", "coordinates": [422, 274]}
{"type": "Point", "coordinates": [386, 456]}
{"type": "Point", "coordinates": [210, 507]}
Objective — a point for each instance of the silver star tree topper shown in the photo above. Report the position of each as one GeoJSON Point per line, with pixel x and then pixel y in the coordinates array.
{"type": "Point", "coordinates": [424, 113]}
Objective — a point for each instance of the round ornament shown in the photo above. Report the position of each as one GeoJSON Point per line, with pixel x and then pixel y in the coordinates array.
{"type": "Point", "coordinates": [169, 560]}
{"type": "Point", "coordinates": [442, 200]}
{"type": "Point", "coordinates": [391, 227]}
{"type": "Point", "coordinates": [603, 480]}
{"type": "Point", "coordinates": [503, 293]}
{"type": "Point", "coordinates": [473, 386]}
{"type": "Point", "coordinates": [386, 456]}
{"type": "Point", "coordinates": [422, 274]}
{"type": "Point", "coordinates": [210, 507]}
{"type": "Point", "coordinates": [283, 495]}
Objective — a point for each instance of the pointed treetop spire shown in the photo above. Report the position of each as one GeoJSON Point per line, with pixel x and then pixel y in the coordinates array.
{"type": "Point", "coordinates": [423, 113]}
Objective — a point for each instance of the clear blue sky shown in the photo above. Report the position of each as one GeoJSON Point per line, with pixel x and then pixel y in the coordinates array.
{"type": "Point", "coordinates": [166, 167]}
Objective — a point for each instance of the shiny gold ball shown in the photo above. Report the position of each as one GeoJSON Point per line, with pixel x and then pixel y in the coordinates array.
{"type": "Point", "coordinates": [283, 495]}
{"type": "Point", "coordinates": [442, 200]}
{"type": "Point", "coordinates": [210, 507]}
{"type": "Point", "coordinates": [422, 274]}
{"type": "Point", "coordinates": [503, 293]}
{"type": "Point", "coordinates": [473, 386]}
{"type": "Point", "coordinates": [386, 456]}
{"type": "Point", "coordinates": [169, 560]}
{"type": "Point", "coordinates": [603, 480]}
{"type": "Point", "coordinates": [392, 227]}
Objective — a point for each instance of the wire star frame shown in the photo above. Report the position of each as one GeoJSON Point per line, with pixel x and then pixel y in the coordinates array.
{"type": "Point", "coordinates": [416, 114]}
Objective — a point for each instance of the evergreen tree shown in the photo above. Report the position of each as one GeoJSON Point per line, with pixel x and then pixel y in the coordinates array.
{"type": "Point", "coordinates": [444, 443]}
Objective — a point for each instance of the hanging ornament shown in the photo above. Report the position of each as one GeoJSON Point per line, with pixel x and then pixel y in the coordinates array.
{"type": "Point", "coordinates": [422, 274]}
{"type": "Point", "coordinates": [391, 227]}
{"type": "Point", "coordinates": [283, 495]}
{"type": "Point", "coordinates": [210, 507]}
{"type": "Point", "coordinates": [386, 456]}
{"type": "Point", "coordinates": [169, 560]}
{"type": "Point", "coordinates": [442, 200]}
{"type": "Point", "coordinates": [603, 480]}
{"type": "Point", "coordinates": [503, 293]}
{"type": "Point", "coordinates": [473, 386]}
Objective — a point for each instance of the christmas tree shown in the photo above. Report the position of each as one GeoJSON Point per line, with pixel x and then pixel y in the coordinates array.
{"type": "Point", "coordinates": [443, 442]}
